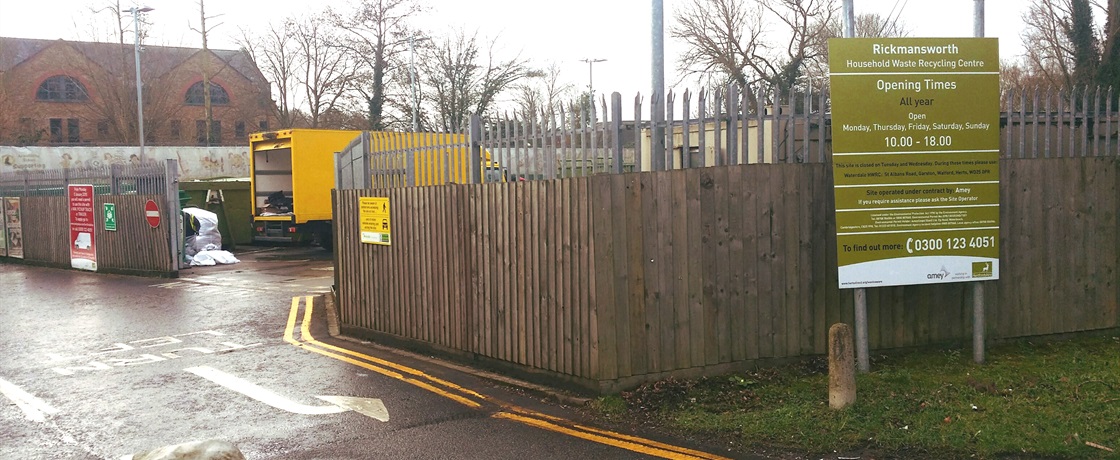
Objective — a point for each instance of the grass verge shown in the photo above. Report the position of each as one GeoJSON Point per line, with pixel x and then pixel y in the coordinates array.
{"type": "Point", "coordinates": [1034, 399]}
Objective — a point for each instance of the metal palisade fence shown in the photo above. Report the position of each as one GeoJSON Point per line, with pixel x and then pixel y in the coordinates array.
{"type": "Point", "coordinates": [1054, 123]}
{"type": "Point", "coordinates": [107, 180]}
{"type": "Point", "coordinates": [706, 128]}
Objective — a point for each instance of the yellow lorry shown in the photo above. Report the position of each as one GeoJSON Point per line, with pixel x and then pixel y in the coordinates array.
{"type": "Point", "coordinates": [292, 173]}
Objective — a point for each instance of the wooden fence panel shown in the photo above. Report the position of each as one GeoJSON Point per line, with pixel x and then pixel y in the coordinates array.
{"type": "Point", "coordinates": [620, 278]}
{"type": "Point", "coordinates": [750, 263]}
{"type": "Point", "coordinates": [735, 225]}
{"type": "Point", "coordinates": [658, 292]}
{"type": "Point", "coordinates": [636, 234]}
{"type": "Point", "coordinates": [620, 241]}
{"type": "Point", "coordinates": [679, 242]}
{"type": "Point", "coordinates": [763, 215]}
{"type": "Point", "coordinates": [584, 232]}
{"type": "Point", "coordinates": [135, 245]}
{"type": "Point", "coordinates": [46, 229]}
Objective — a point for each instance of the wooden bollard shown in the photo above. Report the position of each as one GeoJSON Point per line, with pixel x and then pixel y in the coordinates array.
{"type": "Point", "coordinates": [841, 367]}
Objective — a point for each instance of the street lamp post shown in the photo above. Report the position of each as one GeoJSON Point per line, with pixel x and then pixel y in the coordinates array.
{"type": "Point", "coordinates": [590, 78]}
{"type": "Point", "coordinates": [139, 85]}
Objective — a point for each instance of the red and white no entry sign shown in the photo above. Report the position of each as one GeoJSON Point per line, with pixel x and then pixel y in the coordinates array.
{"type": "Point", "coordinates": [151, 212]}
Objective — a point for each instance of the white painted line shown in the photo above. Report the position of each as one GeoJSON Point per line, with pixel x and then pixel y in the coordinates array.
{"type": "Point", "coordinates": [912, 208]}
{"type": "Point", "coordinates": [912, 152]}
{"type": "Point", "coordinates": [845, 74]}
{"type": "Point", "coordinates": [920, 230]}
{"type": "Point", "coordinates": [258, 393]}
{"type": "Point", "coordinates": [910, 184]}
{"type": "Point", "coordinates": [369, 407]}
{"type": "Point", "coordinates": [34, 408]}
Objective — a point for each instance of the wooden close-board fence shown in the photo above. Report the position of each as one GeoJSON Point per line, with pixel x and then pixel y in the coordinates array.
{"type": "Point", "coordinates": [134, 248]}
{"type": "Point", "coordinates": [608, 281]}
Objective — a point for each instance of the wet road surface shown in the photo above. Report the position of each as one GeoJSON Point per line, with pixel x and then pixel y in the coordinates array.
{"type": "Point", "coordinates": [99, 366]}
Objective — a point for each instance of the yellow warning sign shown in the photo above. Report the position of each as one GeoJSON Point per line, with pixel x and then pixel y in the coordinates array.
{"type": "Point", "coordinates": [373, 220]}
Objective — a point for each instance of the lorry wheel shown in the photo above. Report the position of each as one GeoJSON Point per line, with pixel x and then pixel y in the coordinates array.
{"type": "Point", "coordinates": [325, 240]}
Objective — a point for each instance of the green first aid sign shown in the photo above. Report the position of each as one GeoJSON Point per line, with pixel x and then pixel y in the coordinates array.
{"type": "Point", "coordinates": [915, 135]}
{"type": "Point", "coordinates": [110, 212]}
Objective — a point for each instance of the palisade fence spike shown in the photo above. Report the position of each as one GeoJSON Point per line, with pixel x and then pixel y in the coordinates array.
{"type": "Point", "coordinates": [686, 130]}
{"type": "Point", "coordinates": [639, 161]}
{"type": "Point", "coordinates": [702, 128]}
{"type": "Point", "coordinates": [1107, 120]}
{"type": "Point", "coordinates": [1096, 122]}
{"type": "Point", "coordinates": [572, 130]}
{"type": "Point", "coordinates": [1046, 150]}
{"type": "Point", "coordinates": [670, 98]}
{"type": "Point", "coordinates": [744, 124]}
{"type": "Point", "coordinates": [760, 127]}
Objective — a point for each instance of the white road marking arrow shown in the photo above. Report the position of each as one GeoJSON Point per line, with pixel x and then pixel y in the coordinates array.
{"type": "Point", "coordinates": [369, 407]}
{"type": "Point", "coordinates": [34, 409]}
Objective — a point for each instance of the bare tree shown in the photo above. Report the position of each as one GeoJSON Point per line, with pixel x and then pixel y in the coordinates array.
{"type": "Point", "coordinates": [328, 74]}
{"type": "Point", "coordinates": [1068, 46]}
{"type": "Point", "coordinates": [118, 32]}
{"type": "Point", "coordinates": [1110, 46]}
{"type": "Point", "coordinates": [378, 31]}
{"type": "Point", "coordinates": [867, 25]}
{"type": "Point", "coordinates": [729, 41]}
{"type": "Point", "coordinates": [275, 53]}
{"type": "Point", "coordinates": [13, 132]}
{"type": "Point", "coordinates": [542, 91]}
{"type": "Point", "coordinates": [463, 80]}
{"type": "Point", "coordinates": [1051, 52]}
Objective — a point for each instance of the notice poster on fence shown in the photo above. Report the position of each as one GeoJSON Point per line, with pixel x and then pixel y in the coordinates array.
{"type": "Point", "coordinates": [373, 220]}
{"type": "Point", "coordinates": [13, 225]}
{"type": "Point", "coordinates": [915, 125]}
{"type": "Point", "coordinates": [83, 252]}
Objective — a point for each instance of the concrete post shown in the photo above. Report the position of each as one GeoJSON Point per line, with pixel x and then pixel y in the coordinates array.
{"type": "Point", "coordinates": [841, 367]}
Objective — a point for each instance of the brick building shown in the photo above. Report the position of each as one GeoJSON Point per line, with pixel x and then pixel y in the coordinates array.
{"type": "Point", "coordinates": [57, 92]}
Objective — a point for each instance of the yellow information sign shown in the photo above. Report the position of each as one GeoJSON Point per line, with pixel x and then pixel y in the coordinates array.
{"type": "Point", "coordinates": [373, 220]}
{"type": "Point", "coordinates": [915, 126]}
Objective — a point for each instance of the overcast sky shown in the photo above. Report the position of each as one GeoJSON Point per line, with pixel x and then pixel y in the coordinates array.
{"type": "Point", "coordinates": [558, 31]}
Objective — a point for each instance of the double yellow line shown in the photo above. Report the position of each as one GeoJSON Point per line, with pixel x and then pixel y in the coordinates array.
{"type": "Point", "coordinates": [473, 399]}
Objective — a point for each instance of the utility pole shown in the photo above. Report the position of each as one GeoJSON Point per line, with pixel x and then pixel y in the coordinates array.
{"type": "Point", "coordinates": [208, 107]}
{"type": "Point", "coordinates": [657, 117]}
{"type": "Point", "coordinates": [139, 83]}
{"type": "Point", "coordinates": [863, 361]}
{"type": "Point", "coordinates": [978, 287]}
{"type": "Point", "coordinates": [206, 102]}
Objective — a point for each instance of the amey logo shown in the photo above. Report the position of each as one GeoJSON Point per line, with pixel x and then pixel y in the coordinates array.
{"type": "Point", "coordinates": [982, 270]}
{"type": "Point", "coordinates": [940, 275]}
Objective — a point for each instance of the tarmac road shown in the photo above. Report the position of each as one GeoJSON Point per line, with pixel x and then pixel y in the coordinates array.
{"type": "Point", "coordinates": [101, 366]}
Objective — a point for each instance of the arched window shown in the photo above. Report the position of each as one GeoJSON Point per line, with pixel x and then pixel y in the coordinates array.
{"type": "Point", "coordinates": [62, 88]}
{"type": "Point", "coordinates": [218, 95]}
